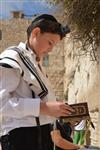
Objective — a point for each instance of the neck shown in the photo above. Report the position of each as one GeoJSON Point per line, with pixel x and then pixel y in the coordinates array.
{"type": "Point", "coordinates": [37, 57]}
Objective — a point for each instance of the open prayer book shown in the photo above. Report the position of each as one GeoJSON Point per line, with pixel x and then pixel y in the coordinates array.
{"type": "Point", "coordinates": [81, 112]}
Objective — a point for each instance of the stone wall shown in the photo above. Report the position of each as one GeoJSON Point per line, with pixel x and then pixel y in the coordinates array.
{"type": "Point", "coordinates": [13, 31]}
{"type": "Point", "coordinates": [82, 83]}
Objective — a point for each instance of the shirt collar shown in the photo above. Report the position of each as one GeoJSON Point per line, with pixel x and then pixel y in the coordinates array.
{"type": "Point", "coordinates": [26, 48]}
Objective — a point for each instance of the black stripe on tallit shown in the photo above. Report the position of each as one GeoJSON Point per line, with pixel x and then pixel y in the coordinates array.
{"type": "Point", "coordinates": [9, 66]}
{"type": "Point", "coordinates": [5, 65]}
{"type": "Point", "coordinates": [10, 59]}
{"type": "Point", "coordinates": [33, 70]}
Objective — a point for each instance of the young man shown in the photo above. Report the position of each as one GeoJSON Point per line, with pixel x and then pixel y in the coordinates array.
{"type": "Point", "coordinates": [28, 104]}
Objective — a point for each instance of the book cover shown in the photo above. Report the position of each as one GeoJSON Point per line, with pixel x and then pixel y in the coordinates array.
{"type": "Point", "coordinates": [81, 112]}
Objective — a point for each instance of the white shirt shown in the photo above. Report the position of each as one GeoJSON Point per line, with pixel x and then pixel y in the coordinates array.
{"type": "Point", "coordinates": [17, 107]}
{"type": "Point", "coordinates": [81, 126]}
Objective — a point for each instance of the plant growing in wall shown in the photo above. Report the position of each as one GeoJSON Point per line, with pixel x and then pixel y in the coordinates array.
{"type": "Point", "coordinates": [84, 18]}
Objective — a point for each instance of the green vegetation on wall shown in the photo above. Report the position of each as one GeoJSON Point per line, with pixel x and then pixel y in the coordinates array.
{"type": "Point", "coordinates": [84, 18]}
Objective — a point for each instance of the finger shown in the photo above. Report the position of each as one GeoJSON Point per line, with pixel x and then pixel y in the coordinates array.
{"type": "Point", "coordinates": [66, 110]}
{"type": "Point", "coordinates": [66, 113]}
{"type": "Point", "coordinates": [69, 108]}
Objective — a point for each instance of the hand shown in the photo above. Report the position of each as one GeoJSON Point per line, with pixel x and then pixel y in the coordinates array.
{"type": "Point", "coordinates": [55, 109]}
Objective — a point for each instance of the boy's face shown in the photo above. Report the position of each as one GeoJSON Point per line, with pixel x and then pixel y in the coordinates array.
{"type": "Point", "coordinates": [42, 43]}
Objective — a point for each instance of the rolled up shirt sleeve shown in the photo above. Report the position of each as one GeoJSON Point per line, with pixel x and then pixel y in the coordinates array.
{"type": "Point", "coordinates": [15, 106]}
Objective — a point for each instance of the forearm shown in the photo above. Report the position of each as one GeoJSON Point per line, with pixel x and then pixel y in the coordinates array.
{"type": "Point", "coordinates": [21, 107]}
{"type": "Point", "coordinates": [61, 142]}
{"type": "Point", "coordinates": [55, 108]}
{"type": "Point", "coordinates": [66, 144]}
{"type": "Point", "coordinates": [45, 108]}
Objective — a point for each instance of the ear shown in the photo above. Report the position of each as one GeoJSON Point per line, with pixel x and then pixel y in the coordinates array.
{"type": "Point", "coordinates": [35, 31]}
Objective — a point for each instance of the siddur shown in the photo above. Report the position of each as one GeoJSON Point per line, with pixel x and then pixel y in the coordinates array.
{"type": "Point", "coordinates": [81, 112]}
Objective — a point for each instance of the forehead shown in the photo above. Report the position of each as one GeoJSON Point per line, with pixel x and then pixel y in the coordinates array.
{"type": "Point", "coordinates": [52, 36]}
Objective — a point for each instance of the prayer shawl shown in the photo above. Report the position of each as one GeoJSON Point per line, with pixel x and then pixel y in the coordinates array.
{"type": "Point", "coordinates": [19, 57]}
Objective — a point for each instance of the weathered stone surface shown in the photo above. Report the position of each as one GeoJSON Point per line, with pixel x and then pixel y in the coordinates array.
{"type": "Point", "coordinates": [82, 83]}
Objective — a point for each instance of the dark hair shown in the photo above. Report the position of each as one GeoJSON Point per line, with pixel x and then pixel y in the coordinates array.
{"type": "Point", "coordinates": [48, 23]}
